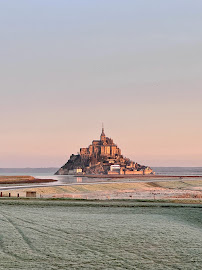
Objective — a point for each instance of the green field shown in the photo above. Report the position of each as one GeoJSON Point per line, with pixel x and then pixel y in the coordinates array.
{"type": "Point", "coordinates": [37, 234]}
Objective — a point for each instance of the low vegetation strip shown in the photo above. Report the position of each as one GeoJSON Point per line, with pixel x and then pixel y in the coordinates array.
{"type": "Point", "coordinates": [96, 203]}
{"type": "Point", "coordinates": [22, 180]}
{"type": "Point", "coordinates": [16, 177]}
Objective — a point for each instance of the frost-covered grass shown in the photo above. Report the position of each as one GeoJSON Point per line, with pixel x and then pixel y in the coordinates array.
{"type": "Point", "coordinates": [62, 234]}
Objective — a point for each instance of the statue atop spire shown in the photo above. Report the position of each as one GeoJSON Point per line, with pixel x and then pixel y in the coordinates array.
{"type": "Point", "coordinates": [102, 136]}
{"type": "Point", "coordinates": [103, 129]}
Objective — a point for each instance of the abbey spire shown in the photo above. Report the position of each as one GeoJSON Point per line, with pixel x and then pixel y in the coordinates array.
{"type": "Point", "coordinates": [102, 136]}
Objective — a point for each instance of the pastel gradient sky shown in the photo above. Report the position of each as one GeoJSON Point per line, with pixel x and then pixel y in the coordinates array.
{"type": "Point", "coordinates": [68, 66]}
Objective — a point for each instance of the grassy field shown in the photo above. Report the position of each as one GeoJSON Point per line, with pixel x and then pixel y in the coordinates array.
{"type": "Point", "coordinates": [68, 234]}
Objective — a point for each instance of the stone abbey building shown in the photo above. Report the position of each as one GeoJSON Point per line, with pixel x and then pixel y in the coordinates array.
{"type": "Point", "coordinates": [104, 147]}
{"type": "Point", "coordinates": [102, 157]}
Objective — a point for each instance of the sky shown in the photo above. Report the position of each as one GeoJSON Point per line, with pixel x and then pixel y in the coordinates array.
{"type": "Point", "coordinates": [68, 66]}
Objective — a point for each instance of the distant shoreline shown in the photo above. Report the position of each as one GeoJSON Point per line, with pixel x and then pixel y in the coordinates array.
{"type": "Point", "coordinates": [135, 175]}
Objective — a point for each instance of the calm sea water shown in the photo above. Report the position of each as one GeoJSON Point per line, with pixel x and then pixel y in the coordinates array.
{"type": "Point", "coordinates": [50, 171]}
{"type": "Point", "coordinates": [178, 171]}
{"type": "Point", "coordinates": [43, 173]}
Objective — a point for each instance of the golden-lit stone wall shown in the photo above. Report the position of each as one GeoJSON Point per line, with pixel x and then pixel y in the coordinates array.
{"type": "Point", "coordinates": [104, 147]}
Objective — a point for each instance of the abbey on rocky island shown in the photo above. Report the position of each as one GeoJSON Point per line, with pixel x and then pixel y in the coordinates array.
{"type": "Point", "coordinates": [102, 157]}
{"type": "Point", "coordinates": [104, 147]}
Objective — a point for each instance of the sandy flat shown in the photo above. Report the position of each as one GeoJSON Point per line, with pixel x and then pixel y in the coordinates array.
{"type": "Point", "coordinates": [191, 189]}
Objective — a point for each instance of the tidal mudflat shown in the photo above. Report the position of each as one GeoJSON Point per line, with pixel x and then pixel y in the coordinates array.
{"type": "Point", "coordinates": [43, 234]}
{"type": "Point", "coordinates": [161, 188]}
